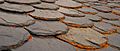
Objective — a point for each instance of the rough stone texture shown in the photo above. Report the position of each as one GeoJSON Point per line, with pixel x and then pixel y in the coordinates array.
{"type": "Point", "coordinates": [116, 22]}
{"type": "Point", "coordinates": [105, 28]}
{"type": "Point", "coordinates": [46, 6]}
{"type": "Point", "coordinates": [71, 12]}
{"type": "Point", "coordinates": [16, 8]}
{"type": "Point", "coordinates": [87, 36]}
{"type": "Point", "coordinates": [102, 8]}
{"type": "Point", "coordinates": [47, 28]}
{"type": "Point", "coordinates": [78, 22]}
{"type": "Point", "coordinates": [68, 3]}
{"type": "Point", "coordinates": [116, 11]}
{"type": "Point", "coordinates": [88, 10]}
{"type": "Point", "coordinates": [24, 1]}
{"type": "Point", "coordinates": [46, 44]}
{"type": "Point", "coordinates": [94, 18]}
{"type": "Point", "coordinates": [10, 36]}
{"type": "Point", "coordinates": [12, 19]}
{"type": "Point", "coordinates": [109, 16]}
{"type": "Point", "coordinates": [47, 15]}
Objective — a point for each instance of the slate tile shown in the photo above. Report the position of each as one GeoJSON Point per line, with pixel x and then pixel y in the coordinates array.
{"type": "Point", "coordinates": [48, 6]}
{"type": "Point", "coordinates": [81, 1]}
{"type": "Point", "coordinates": [107, 49]}
{"type": "Point", "coordinates": [46, 44]}
{"type": "Point", "coordinates": [116, 11]}
{"type": "Point", "coordinates": [11, 37]}
{"type": "Point", "coordinates": [14, 19]}
{"type": "Point", "coordinates": [49, 15]}
{"type": "Point", "coordinates": [16, 8]}
{"type": "Point", "coordinates": [47, 28]}
{"type": "Point", "coordinates": [24, 1]}
{"type": "Point", "coordinates": [78, 22]}
{"type": "Point", "coordinates": [84, 38]}
{"type": "Point", "coordinates": [68, 3]}
{"type": "Point", "coordinates": [71, 12]}
{"type": "Point", "coordinates": [49, 1]}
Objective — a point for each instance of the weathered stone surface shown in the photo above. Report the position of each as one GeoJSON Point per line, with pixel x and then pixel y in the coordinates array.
{"type": "Point", "coordinates": [116, 22]}
{"type": "Point", "coordinates": [47, 15]}
{"type": "Point", "coordinates": [94, 18]}
{"type": "Point", "coordinates": [11, 37]}
{"type": "Point", "coordinates": [46, 44]}
{"type": "Point", "coordinates": [14, 19]}
{"type": "Point", "coordinates": [71, 12]}
{"type": "Point", "coordinates": [81, 1]}
{"type": "Point", "coordinates": [24, 1]}
{"type": "Point", "coordinates": [78, 22]}
{"type": "Point", "coordinates": [68, 3]}
{"type": "Point", "coordinates": [82, 37]}
{"type": "Point", "coordinates": [107, 49]}
{"type": "Point", "coordinates": [88, 10]}
{"type": "Point", "coordinates": [114, 40]}
{"type": "Point", "coordinates": [16, 8]}
{"type": "Point", "coordinates": [104, 28]}
{"type": "Point", "coordinates": [49, 1]}
{"type": "Point", "coordinates": [102, 8]}
{"type": "Point", "coordinates": [47, 28]}
{"type": "Point", "coordinates": [49, 6]}
{"type": "Point", "coordinates": [109, 16]}
{"type": "Point", "coordinates": [116, 11]}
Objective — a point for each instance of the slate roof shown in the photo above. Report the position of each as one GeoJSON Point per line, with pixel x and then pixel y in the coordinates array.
{"type": "Point", "coordinates": [59, 25]}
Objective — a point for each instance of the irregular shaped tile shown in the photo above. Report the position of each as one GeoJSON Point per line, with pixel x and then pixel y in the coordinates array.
{"type": "Point", "coordinates": [47, 15]}
{"type": "Point", "coordinates": [84, 38]}
{"type": "Point", "coordinates": [24, 1]}
{"type": "Point", "coordinates": [116, 11]}
{"type": "Point", "coordinates": [49, 1]}
{"type": "Point", "coordinates": [47, 28]}
{"type": "Point", "coordinates": [78, 22]}
{"type": "Point", "coordinates": [94, 18]}
{"type": "Point", "coordinates": [108, 49]}
{"type": "Point", "coordinates": [49, 6]}
{"type": "Point", "coordinates": [71, 12]}
{"type": "Point", "coordinates": [102, 8]}
{"type": "Point", "coordinates": [114, 40]}
{"type": "Point", "coordinates": [116, 22]}
{"type": "Point", "coordinates": [14, 19]}
{"type": "Point", "coordinates": [11, 37]}
{"type": "Point", "coordinates": [46, 44]}
{"type": "Point", "coordinates": [109, 16]}
{"type": "Point", "coordinates": [16, 8]}
{"type": "Point", "coordinates": [104, 28]}
{"type": "Point", "coordinates": [68, 3]}
{"type": "Point", "coordinates": [88, 10]}
{"type": "Point", "coordinates": [81, 1]}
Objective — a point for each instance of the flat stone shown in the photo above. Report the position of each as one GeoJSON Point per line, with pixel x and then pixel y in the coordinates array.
{"type": "Point", "coordinates": [49, 1]}
{"type": "Point", "coordinates": [68, 3]}
{"type": "Point", "coordinates": [102, 8]}
{"type": "Point", "coordinates": [114, 40]}
{"type": "Point", "coordinates": [71, 12]}
{"type": "Point", "coordinates": [47, 28]}
{"type": "Point", "coordinates": [84, 37]}
{"type": "Point", "coordinates": [16, 8]}
{"type": "Point", "coordinates": [14, 19]}
{"type": "Point", "coordinates": [24, 1]}
{"type": "Point", "coordinates": [11, 37]}
{"type": "Point", "coordinates": [109, 16]}
{"type": "Point", "coordinates": [116, 22]}
{"type": "Point", "coordinates": [78, 22]}
{"type": "Point", "coordinates": [94, 18]}
{"type": "Point", "coordinates": [46, 44]}
{"type": "Point", "coordinates": [104, 28]}
{"type": "Point", "coordinates": [108, 49]}
{"type": "Point", "coordinates": [47, 15]}
{"type": "Point", "coordinates": [88, 10]}
{"type": "Point", "coordinates": [81, 1]}
{"type": "Point", "coordinates": [116, 11]}
{"type": "Point", "coordinates": [48, 6]}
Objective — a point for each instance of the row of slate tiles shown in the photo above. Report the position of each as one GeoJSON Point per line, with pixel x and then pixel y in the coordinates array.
{"type": "Point", "coordinates": [45, 23]}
